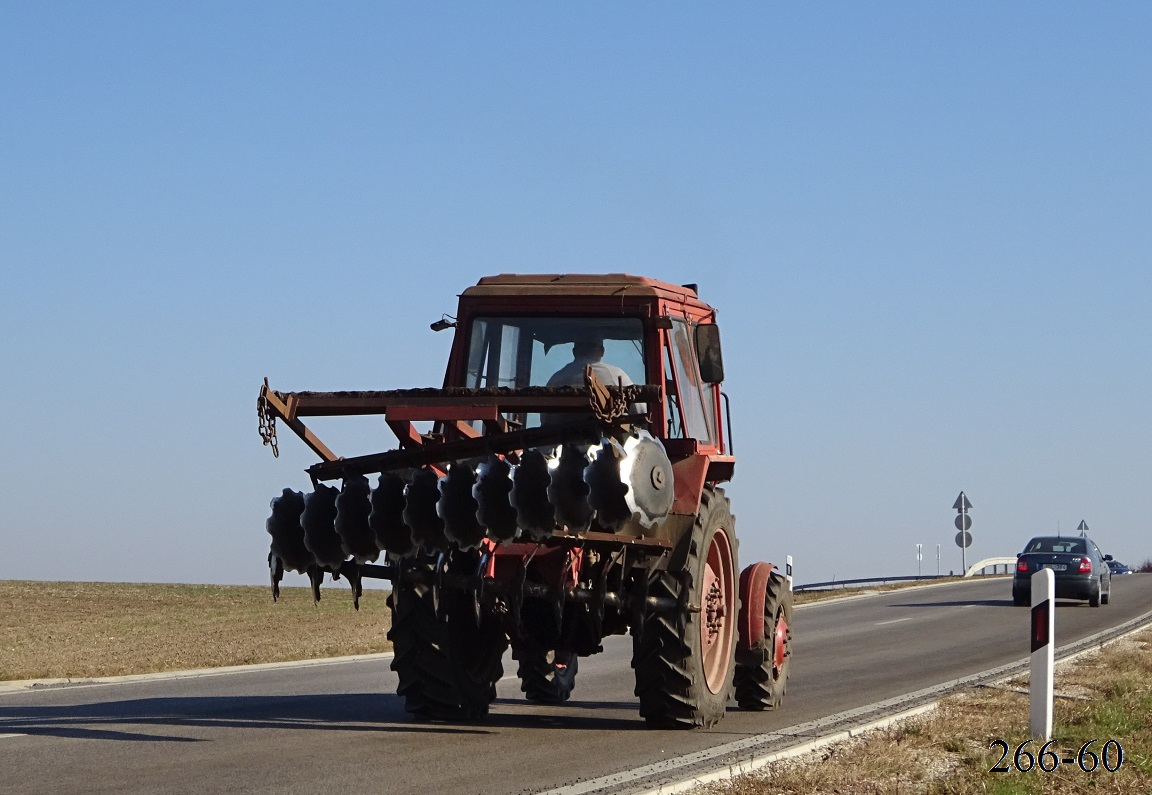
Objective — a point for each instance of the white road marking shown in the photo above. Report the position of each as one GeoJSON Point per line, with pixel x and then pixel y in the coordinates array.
{"type": "Point", "coordinates": [894, 621]}
{"type": "Point", "coordinates": [6, 736]}
{"type": "Point", "coordinates": [912, 618]}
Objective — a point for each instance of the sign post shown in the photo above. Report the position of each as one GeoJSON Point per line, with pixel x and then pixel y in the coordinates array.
{"type": "Point", "coordinates": [1043, 623]}
{"type": "Point", "coordinates": [963, 538]}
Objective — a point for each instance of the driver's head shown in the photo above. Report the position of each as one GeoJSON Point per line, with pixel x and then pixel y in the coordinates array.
{"type": "Point", "coordinates": [588, 348]}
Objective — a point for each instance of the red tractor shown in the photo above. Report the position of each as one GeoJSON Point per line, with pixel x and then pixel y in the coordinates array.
{"type": "Point", "coordinates": [563, 486]}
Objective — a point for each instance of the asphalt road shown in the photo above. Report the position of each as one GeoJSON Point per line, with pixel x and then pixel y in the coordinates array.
{"type": "Point", "coordinates": [339, 726]}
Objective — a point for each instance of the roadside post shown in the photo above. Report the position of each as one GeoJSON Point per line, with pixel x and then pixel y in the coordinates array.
{"type": "Point", "coordinates": [788, 570]}
{"type": "Point", "coordinates": [919, 557]}
{"type": "Point", "coordinates": [1043, 622]}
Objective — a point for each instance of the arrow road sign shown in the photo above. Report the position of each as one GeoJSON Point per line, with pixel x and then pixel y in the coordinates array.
{"type": "Point", "coordinates": [962, 504]}
{"type": "Point", "coordinates": [1083, 528]}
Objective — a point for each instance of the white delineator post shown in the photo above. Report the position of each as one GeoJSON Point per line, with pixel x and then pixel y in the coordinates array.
{"type": "Point", "coordinates": [1043, 622]}
{"type": "Point", "coordinates": [788, 570]}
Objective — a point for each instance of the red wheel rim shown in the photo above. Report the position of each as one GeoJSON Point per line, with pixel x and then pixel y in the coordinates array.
{"type": "Point", "coordinates": [779, 647]}
{"type": "Point", "coordinates": [717, 611]}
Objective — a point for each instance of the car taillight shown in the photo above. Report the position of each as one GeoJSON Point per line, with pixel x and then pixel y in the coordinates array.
{"type": "Point", "coordinates": [1021, 565]}
{"type": "Point", "coordinates": [1085, 566]}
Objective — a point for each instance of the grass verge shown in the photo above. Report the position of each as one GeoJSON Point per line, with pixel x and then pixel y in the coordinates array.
{"type": "Point", "coordinates": [54, 630]}
{"type": "Point", "coordinates": [1104, 696]}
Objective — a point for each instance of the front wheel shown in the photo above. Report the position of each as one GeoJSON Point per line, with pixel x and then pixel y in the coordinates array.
{"type": "Point", "coordinates": [762, 680]}
{"type": "Point", "coordinates": [546, 677]}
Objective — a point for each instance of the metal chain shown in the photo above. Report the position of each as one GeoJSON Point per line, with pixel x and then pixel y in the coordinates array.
{"type": "Point", "coordinates": [267, 425]}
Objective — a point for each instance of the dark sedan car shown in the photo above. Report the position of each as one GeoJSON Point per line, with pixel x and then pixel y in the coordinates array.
{"type": "Point", "coordinates": [1116, 567]}
{"type": "Point", "coordinates": [1080, 570]}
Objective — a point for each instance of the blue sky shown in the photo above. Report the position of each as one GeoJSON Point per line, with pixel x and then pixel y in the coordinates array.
{"type": "Point", "coordinates": [925, 226]}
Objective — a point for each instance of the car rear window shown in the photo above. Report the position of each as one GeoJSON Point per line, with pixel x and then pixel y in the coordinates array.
{"type": "Point", "coordinates": [1074, 545]}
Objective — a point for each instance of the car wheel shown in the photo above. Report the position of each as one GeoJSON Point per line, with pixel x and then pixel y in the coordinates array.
{"type": "Point", "coordinates": [1019, 599]}
{"type": "Point", "coordinates": [1094, 598]}
{"type": "Point", "coordinates": [1107, 595]}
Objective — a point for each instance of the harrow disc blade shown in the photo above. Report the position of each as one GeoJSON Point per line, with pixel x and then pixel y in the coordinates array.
{"type": "Point", "coordinates": [287, 534]}
{"type": "Point", "coordinates": [493, 494]}
{"type": "Point", "coordinates": [606, 492]}
{"type": "Point", "coordinates": [534, 513]}
{"type": "Point", "coordinates": [457, 507]}
{"type": "Point", "coordinates": [647, 472]}
{"type": "Point", "coordinates": [319, 523]}
{"type": "Point", "coordinates": [568, 491]}
{"type": "Point", "coordinates": [387, 517]}
{"type": "Point", "coordinates": [420, 500]}
{"type": "Point", "coordinates": [352, 509]}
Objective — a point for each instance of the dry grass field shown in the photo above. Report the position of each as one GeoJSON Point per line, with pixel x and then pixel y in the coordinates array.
{"type": "Point", "coordinates": [80, 630]}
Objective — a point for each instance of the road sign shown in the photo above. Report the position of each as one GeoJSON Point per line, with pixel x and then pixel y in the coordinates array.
{"type": "Point", "coordinates": [963, 522]}
{"type": "Point", "coordinates": [919, 552]}
{"type": "Point", "coordinates": [1083, 528]}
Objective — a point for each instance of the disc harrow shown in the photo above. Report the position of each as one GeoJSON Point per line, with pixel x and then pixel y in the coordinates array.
{"type": "Point", "coordinates": [566, 488]}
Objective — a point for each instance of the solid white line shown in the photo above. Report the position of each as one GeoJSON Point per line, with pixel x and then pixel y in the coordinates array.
{"type": "Point", "coordinates": [6, 736]}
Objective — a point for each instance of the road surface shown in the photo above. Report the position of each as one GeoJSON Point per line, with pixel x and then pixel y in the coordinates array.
{"type": "Point", "coordinates": [340, 726]}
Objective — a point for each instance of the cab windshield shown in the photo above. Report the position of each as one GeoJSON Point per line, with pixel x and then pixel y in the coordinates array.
{"type": "Point", "coordinates": [520, 352]}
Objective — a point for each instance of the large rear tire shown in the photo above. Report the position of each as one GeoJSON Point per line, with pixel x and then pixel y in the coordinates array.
{"type": "Point", "coordinates": [448, 665]}
{"type": "Point", "coordinates": [761, 684]}
{"type": "Point", "coordinates": [684, 663]}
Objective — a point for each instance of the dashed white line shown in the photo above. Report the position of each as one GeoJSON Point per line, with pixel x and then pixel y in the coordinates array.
{"type": "Point", "coordinates": [894, 621]}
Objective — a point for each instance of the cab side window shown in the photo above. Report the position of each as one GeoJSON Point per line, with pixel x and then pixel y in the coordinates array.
{"type": "Point", "coordinates": [695, 416]}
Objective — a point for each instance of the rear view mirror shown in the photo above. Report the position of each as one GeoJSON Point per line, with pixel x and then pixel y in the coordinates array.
{"type": "Point", "coordinates": [708, 353]}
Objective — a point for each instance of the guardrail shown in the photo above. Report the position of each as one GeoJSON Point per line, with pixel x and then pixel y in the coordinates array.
{"type": "Point", "coordinates": [974, 570]}
{"type": "Point", "coordinates": [830, 584]}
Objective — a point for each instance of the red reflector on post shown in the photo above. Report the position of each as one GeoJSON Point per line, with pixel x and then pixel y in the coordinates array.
{"type": "Point", "coordinates": [1040, 637]}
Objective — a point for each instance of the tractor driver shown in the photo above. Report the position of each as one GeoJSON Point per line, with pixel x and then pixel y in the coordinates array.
{"type": "Point", "coordinates": [585, 352]}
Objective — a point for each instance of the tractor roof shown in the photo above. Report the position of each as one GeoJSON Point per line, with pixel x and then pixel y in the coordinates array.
{"type": "Point", "coordinates": [580, 284]}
